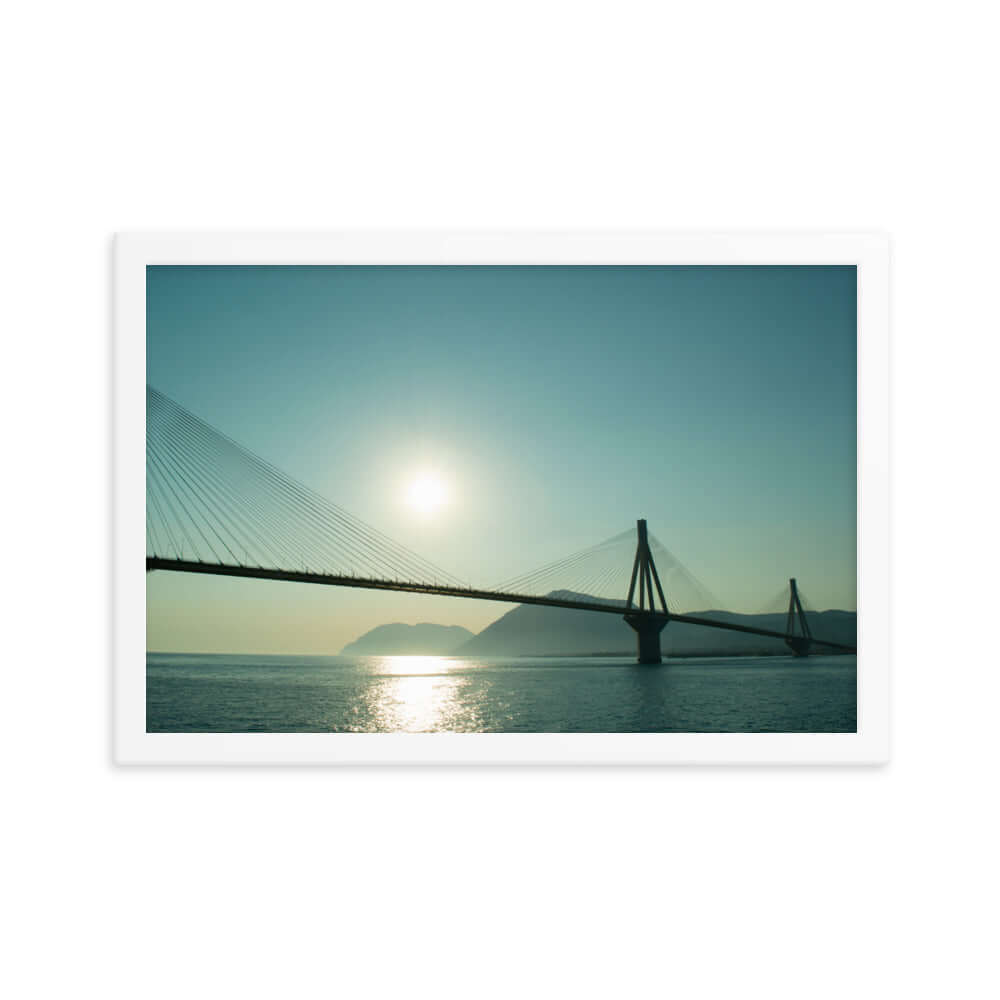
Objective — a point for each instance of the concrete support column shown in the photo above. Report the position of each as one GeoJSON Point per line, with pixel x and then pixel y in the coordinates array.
{"type": "Point", "coordinates": [647, 630]}
{"type": "Point", "coordinates": [799, 645]}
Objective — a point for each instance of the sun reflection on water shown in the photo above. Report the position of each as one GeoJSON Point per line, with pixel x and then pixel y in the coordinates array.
{"type": "Point", "coordinates": [408, 665]}
{"type": "Point", "coordinates": [417, 694]}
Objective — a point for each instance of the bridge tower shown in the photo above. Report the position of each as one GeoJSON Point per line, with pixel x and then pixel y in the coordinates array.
{"type": "Point", "coordinates": [798, 640]}
{"type": "Point", "coordinates": [647, 621]}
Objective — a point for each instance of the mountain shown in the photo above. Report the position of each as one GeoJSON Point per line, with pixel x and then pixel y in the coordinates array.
{"type": "Point", "coordinates": [533, 630]}
{"type": "Point", "coordinates": [409, 640]}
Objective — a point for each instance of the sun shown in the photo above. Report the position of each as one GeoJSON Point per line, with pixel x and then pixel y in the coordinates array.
{"type": "Point", "coordinates": [426, 494]}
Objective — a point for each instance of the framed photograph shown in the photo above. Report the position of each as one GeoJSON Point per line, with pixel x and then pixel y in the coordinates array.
{"type": "Point", "coordinates": [510, 498]}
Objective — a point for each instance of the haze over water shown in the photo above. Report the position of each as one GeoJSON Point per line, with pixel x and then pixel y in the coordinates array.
{"type": "Point", "coordinates": [421, 694]}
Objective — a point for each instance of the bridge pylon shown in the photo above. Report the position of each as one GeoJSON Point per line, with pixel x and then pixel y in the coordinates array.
{"type": "Point", "coordinates": [798, 635]}
{"type": "Point", "coordinates": [647, 621]}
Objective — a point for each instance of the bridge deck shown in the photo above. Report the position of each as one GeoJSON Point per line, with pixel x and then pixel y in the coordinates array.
{"type": "Point", "coordinates": [293, 576]}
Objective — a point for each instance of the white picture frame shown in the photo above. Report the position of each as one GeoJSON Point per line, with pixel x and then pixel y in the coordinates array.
{"type": "Point", "coordinates": [134, 251]}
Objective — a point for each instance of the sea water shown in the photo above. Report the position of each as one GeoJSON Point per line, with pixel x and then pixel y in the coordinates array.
{"type": "Point", "coordinates": [203, 693]}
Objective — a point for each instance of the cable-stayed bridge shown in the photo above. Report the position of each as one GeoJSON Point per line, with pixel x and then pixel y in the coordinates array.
{"type": "Point", "coordinates": [214, 507]}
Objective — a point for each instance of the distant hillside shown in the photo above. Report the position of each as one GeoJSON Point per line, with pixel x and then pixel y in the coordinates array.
{"type": "Point", "coordinates": [409, 640]}
{"type": "Point", "coordinates": [531, 630]}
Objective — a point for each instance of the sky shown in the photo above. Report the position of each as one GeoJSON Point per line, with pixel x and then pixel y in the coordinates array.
{"type": "Point", "coordinates": [550, 407]}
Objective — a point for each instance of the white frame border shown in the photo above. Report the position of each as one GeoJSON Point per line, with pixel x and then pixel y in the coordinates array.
{"type": "Point", "coordinates": [133, 745]}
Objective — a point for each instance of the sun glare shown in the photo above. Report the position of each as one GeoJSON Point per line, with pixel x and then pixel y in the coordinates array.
{"type": "Point", "coordinates": [426, 494]}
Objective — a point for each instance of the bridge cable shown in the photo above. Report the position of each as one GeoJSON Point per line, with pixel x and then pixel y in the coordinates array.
{"type": "Point", "coordinates": [396, 557]}
{"type": "Point", "coordinates": [206, 461]}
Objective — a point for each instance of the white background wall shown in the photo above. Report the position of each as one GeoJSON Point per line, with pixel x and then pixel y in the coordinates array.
{"type": "Point", "coordinates": [696, 883]}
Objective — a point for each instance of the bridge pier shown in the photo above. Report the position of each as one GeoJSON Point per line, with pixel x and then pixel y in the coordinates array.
{"type": "Point", "coordinates": [647, 630]}
{"type": "Point", "coordinates": [799, 645]}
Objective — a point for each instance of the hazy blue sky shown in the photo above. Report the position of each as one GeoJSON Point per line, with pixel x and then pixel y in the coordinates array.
{"type": "Point", "coordinates": [557, 404]}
